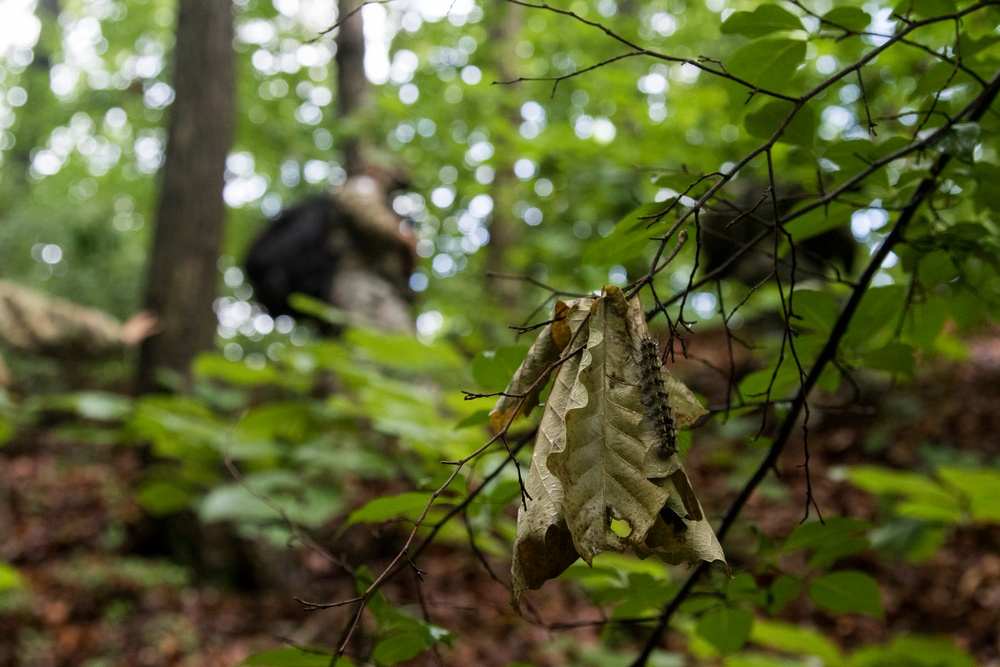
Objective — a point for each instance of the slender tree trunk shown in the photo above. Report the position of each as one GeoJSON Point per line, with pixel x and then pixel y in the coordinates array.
{"type": "Point", "coordinates": [352, 84]}
{"type": "Point", "coordinates": [505, 231]}
{"type": "Point", "coordinates": [190, 217]}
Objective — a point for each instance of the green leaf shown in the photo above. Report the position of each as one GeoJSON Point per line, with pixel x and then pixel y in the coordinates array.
{"type": "Point", "coordinates": [960, 140]}
{"type": "Point", "coordinates": [914, 539]}
{"type": "Point", "coordinates": [923, 498]}
{"type": "Point", "coordinates": [763, 20]}
{"type": "Point", "coordinates": [390, 507]}
{"type": "Point", "coordinates": [849, 18]}
{"type": "Point", "coordinates": [847, 592]}
{"type": "Point", "coordinates": [234, 502]}
{"type": "Point", "coordinates": [96, 405]}
{"type": "Point", "coordinates": [925, 8]}
{"type": "Point", "coordinates": [895, 357]}
{"type": "Point", "coordinates": [163, 498]}
{"type": "Point", "coordinates": [981, 487]}
{"type": "Point", "coordinates": [758, 383]}
{"type": "Point", "coordinates": [815, 310]}
{"type": "Point", "coordinates": [795, 639]}
{"type": "Point", "coordinates": [266, 430]}
{"type": "Point", "coordinates": [296, 657]}
{"type": "Point", "coordinates": [743, 587]}
{"type": "Point", "coordinates": [783, 590]}
{"type": "Point", "coordinates": [817, 221]}
{"type": "Point", "coordinates": [684, 182]}
{"type": "Point", "coordinates": [403, 351]}
{"type": "Point", "coordinates": [396, 649]}
{"type": "Point", "coordinates": [477, 418]}
{"type": "Point", "coordinates": [913, 651]}
{"type": "Point", "coordinates": [414, 639]}
{"type": "Point", "coordinates": [726, 628]}
{"type": "Point", "coordinates": [493, 370]}
{"type": "Point", "coordinates": [102, 406]}
{"type": "Point", "coordinates": [878, 312]}
{"type": "Point", "coordinates": [763, 123]}
{"type": "Point", "coordinates": [6, 430]}
{"type": "Point", "coordinates": [9, 577]}
{"type": "Point", "coordinates": [630, 237]}
{"type": "Point", "coordinates": [817, 535]}
{"type": "Point", "coordinates": [768, 63]}
{"type": "Point", "coordinates": [233, 372]}
{"type": "Point", "coordinates": [830, 554]}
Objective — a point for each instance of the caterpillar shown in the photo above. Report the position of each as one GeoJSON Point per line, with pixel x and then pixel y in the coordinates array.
{"type": "Point", "coordinates": [654, 398]}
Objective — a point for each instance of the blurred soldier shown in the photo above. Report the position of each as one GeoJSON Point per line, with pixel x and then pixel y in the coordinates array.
{"type": "Point", "coordinates": [730, 224]}
{"type": "Point", "coordinates": [348, 248]}
{"type": "Point", "coordinates": [39, 324]}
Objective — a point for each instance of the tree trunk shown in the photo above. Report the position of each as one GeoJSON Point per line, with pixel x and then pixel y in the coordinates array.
{"type": "Point", "coordinates": [505, 231]}
{"type": "Point", "coordinates": [183, 277]}
{"type": "Point", "coordinates": [352, 84]}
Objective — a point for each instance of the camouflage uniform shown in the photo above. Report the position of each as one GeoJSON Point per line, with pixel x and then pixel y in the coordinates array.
{"type": "Point", "coordinates": [377, 253]}
{"type": "Point", "coordinates": [39, 324]}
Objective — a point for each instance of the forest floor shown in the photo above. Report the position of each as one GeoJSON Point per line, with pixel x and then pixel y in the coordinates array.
{"type": "Point", "coordinates": [89, 598]}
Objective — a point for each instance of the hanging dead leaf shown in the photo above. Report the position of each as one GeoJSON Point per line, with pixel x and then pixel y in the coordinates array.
{"type": "Point", "coordinates": [544, 352]}
{"type": "Point", "coordinates": [601, 466]}
{"type": "Point", "coordinates": [543, 545]}
{"type": "Point", "coordinates": [603, 474]}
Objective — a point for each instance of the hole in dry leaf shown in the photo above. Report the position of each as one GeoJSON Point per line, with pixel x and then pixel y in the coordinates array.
{"type": "Point", "coordinates": [621, 528]}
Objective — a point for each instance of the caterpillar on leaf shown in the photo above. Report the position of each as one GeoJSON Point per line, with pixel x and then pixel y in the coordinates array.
{"type": "Point", "coordinates": [654, 398]}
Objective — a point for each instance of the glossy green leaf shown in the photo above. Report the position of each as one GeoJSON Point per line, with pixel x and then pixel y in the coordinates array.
{"type": "Point", "coordinates": [102, 406]}
{"type": "Point", "coordinates": [390, 507]}
{"type": "Point", "coordinates": [768, 63]}
{"type": "Point", "coordinates": [783, 590]}
{"type": "Point", "coordinates": [295, 657]}
{"type": "Point", "coordinates": [817, 535]}
{"type": "Point", "coordinates": [726, 628]}
{"type": "Point", "coordinates": [410, 640]}
{"type": "Point", "coordinates": [234, 372]}
{"type": "Point", "coordinates": [911, 485]}
{"type": "Point", "coordinates": [403, 351]}
{"type": "Point", "coordinates": [849, 18]}
{"type": "Point", "coordinates": [914, 539]}
{"type": "Point", "coordinates": [817, 221]}
{"type": "Point", "coordinates": [743, 587]}
{"type": "Point", "coordinates": [981, 488]}
{"type": "Point", "coordinates": [493, 370]}
{"type": "Point", "coordinates": [896, 358]}
{"type": "Point", "coordinates": [960, 140]}
{"type": "Point", "coordinates": [816, 310]}
{"type": "Point", "coordinates": [913, 651]}
{"type": "Point", "coordinates": [795, 639]}
{"type": "Point", "coordinates": [763, 20]}
{"type": "Point", "coordinates": [765, 121]}
{"type": "Point", "coordinates": [630, 237]}
{"type": "Point", "coordinates": [877, 317]}
{"type": "Point", "coordinates": [847, 592]}
{"type": "Point", "coordinates": [925, 8]}
{"type": "Point", "coordinates": [399, 648]}
{"type": "Point", "coordinates": [163, 498]}
{"type": "Point", "coordinates": [765, 382]}
{"type": "Point", "coordinates": [826, 556]}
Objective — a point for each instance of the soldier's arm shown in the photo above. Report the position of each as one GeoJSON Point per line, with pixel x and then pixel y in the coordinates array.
{"type": "Point", "coordinates": [41, 324]}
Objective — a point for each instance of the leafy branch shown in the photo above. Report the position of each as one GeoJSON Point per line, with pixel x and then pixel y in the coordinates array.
{"type": "Point", "coordinates": [972, 112]}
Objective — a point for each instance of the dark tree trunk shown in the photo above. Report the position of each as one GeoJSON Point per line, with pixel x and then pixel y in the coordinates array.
{"type": "Point", "coordinates": [352, 84]}
{"type": "Point", "coordinates": [183, 277]}
{"type": "Point", "coordinates": [505, 230]}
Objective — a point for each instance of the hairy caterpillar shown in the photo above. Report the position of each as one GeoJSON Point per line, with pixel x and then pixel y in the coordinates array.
{"type": "Point", "coordinates": [654, 398]}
